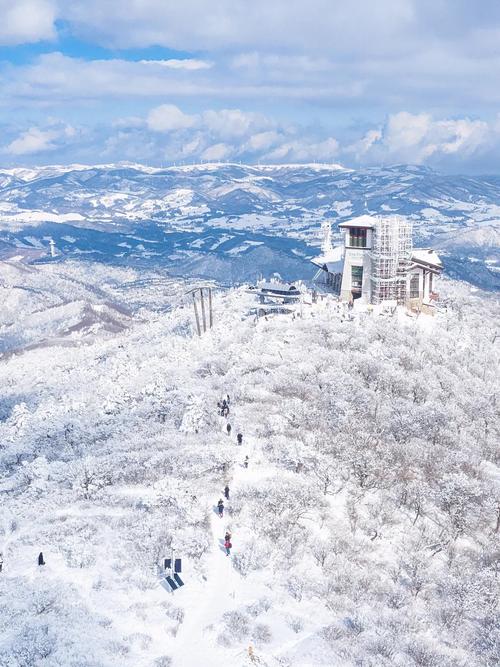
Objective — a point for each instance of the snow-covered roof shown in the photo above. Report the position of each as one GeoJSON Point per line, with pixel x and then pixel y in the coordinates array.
{"type": "Point", "coordinates": [426, 256]}
{"type": "Point", "coordinates": [366, 221]}
{"type": "Point", "coordinates": [333, 260]}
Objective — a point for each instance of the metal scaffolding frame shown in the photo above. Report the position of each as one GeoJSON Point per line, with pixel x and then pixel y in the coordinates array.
{"type": "Point", "coordinates": [390, 259]}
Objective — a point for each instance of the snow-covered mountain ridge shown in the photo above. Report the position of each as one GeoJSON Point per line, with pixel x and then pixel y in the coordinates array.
{"type": "Point", "coordinates": [231, 222]}
{"type": "Point", "coordinates": [364, 529]}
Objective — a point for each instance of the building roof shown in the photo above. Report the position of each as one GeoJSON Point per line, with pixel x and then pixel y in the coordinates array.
{"type": "Point", "coordinates": [365, 221]}
{"type": "Point", "coordinates": [331, 261]}
{"type": "Point", "coordinates": [426, 256]}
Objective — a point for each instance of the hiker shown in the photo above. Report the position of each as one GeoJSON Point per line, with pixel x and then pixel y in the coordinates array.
{"type": "Point", "coordinates": [1, 561]}
{"type": "Point", "coordinates": [226, 492]}
{"type": "Point", "coordinates": [228, 546]}
{"type": "Point", "coordinates": [227, 536]}
{"type": "Point", "coordinates": [40, 559]}
{"type": "Point", "coordinates": [245, 462]}
{"type": "Point", "coordinates": [220, 507]}
{"type": "Point", "coordinates": [228, 428]}
{"type": "Point", "coordinates": [239, 439]}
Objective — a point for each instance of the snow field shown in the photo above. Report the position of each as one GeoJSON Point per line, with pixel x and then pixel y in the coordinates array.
{"type": "Point", "coordinates": [378, 549]}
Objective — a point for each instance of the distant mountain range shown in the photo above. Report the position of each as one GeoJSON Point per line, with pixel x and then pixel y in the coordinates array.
{"type": "Point", "coordinates": [232, 222]}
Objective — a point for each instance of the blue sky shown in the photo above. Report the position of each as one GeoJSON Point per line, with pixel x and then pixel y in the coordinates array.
{"type": "Point", "coordinates": [162, 81]}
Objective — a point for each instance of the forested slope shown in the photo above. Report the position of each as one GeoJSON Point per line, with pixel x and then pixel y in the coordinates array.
{"type": "Point", "coordinates": [365, 529]}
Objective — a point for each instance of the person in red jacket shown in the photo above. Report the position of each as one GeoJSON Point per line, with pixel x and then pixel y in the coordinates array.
{"type": "Point", "coordinates": [228, 546]}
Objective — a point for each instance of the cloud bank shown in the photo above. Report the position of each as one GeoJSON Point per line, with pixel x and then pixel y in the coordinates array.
{"type": "Point", "coordinates": [361, 82]}
{"type": "Point", "coordinates": [166, 134]}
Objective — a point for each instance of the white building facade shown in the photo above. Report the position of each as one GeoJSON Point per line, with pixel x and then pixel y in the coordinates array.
{"type": "Point", "coordinates": [377, 263]}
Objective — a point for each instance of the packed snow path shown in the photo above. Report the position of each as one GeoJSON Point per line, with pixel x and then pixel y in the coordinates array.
{"type": "Point", "coordinates": [205, 602]}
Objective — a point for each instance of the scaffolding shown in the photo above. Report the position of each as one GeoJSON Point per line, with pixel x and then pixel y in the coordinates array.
{"type": "Point", "coordinates": [391, 259]}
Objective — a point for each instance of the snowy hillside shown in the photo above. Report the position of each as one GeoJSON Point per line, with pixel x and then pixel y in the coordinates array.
{"type": "Point", "coordinates": [231, 222]}
{"type": "Point", "coordinates": [365, 529]}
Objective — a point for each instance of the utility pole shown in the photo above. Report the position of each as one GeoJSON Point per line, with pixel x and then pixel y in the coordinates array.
{"type": "Point", "coordinates": [196, 314]}
{"type": "Point", "coordinates": [203, 311]}
{"type": "Point", "coordinates": [206, 302]}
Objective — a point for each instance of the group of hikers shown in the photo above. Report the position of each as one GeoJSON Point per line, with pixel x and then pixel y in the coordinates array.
{"type": "Point", "coordinates": [223, 406]}
{"type": "Point", "coordinates": [223, 411]}
{"type": "Point", "coordinates": [227, 537]}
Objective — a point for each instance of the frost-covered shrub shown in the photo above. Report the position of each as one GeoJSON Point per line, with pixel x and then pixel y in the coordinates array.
{"type": "Point", "coordinates": [237, 625]}
{"type": "Point", "coordinates": [163, 661]}
{"type": "Point", "coordinates": [261, 634]}
{"type": "Point", "coordinates": [295, 623]}
{"type": "Point", "coordinates": [332, 633]}
{"type": "Point", "coordinates": [422, 655]}
{"type": "Point", "coordinates": [31, 645]}
{"type": "Point", "coordinates": [79, 555]}
{"type": "Point", "coordinates": [296, 586]}
{"type": "Point", "coordinates": [259, 607]}
{"type": "Point", "coordinates": [251, 555]}
{"type": "Point", "coordinates": [173, 612]}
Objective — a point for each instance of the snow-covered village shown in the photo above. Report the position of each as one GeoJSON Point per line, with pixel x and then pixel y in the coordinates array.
{"type": "Point", "coordinates": [249, 343]}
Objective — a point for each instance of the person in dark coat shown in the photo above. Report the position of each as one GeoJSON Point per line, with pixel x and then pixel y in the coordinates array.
{"type": "Point", "coordinates": [239, 438]}
{"type": "Point", "coordinates": [245, 462]}
{"type": "Point", "coordinates": [228, 428]}
{"type": "Point", "coordinates": [227, 536]}
{"type": "Point", "coordinates": [220, 507]}
{"type": "Point", "coordinates": [228, 546]}
{"type": "Point", "coordinates": [40, 559]}
{"type": "Point", "coordinates": [226, 492]}
{"type": "Point", "coordinates": [1, 561]}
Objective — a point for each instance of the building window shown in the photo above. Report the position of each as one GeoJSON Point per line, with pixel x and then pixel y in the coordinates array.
{"type": "Point", "coordinates": [357, 237]}
{"type": "Point", "coordinates": [356, 277]}
{"type": "Point", "coordinates": [415, 286]}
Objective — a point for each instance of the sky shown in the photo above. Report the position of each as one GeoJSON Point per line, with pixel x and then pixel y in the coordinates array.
{"type": "Point", "coordinates": [360, 83]}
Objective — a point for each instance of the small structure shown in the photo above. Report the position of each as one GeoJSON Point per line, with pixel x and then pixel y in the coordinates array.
{"type": "Point", "coordinates": [377, 263]}
{"type": "Point", "coordinates": [276, 291]}
{"type": "Point", "coordinates": [275, 296]}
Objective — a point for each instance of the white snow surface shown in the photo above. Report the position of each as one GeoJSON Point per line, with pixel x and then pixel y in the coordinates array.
{"type": "Point", "coordinates": [363, 529]}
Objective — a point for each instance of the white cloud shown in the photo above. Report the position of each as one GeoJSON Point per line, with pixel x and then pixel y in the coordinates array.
{"type": "Point", "coordinates": [262, 141]}
{"type": "Point", "coordinates": [302, 150]}
{"type": "Point", "coordinates": [39, 140]}
{"type": "Point", "coordinates": [173, 63]}
{"type": "Point", "coordinates": [363, 146]}
{"type": "Point", "coordinates": [217, 152]}
{"type": "Point", "coordinates": [416, 137]}
{"type": "Point", "coordinates": [168, 117]}
{"type": "Point", "coordinates": [419, 138]}
{"type": "Point", "coordinates": [24, 21]}
{"type": "Point", "coordinates": [233, 123]}
{"type": "Point", "coordinates": [194, 25]}
{"type": "Point", "coordinates": [54, 77]}
{"type": "Point", "coordinates": [167, 132]}
{"type": "Point", "coordinates": [33, 140]}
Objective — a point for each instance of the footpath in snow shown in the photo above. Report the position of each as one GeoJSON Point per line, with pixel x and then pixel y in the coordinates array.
{"type": "Point", "coordinates": [205, 602]}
